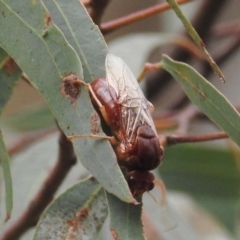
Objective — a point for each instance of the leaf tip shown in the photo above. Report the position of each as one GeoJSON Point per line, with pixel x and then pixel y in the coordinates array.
{"type": "Point", "coordinates": [8, 216]}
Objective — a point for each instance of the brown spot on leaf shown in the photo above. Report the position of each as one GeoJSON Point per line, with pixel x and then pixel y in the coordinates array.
{"type": "Point", "coordinates": [74, 223]}
{"type": "Point", "coordinates": [71, 87]}
{"type": "Point", "coordinates": [3, 13]}
{"type": "Point", "coordinates": [81, 215]}
{"type": "Point", "coordinates": [47, 19]}
{"type": "Point", "coordinates": [10, 66]}
{"type": "Point", "coordinates": [114, 234]}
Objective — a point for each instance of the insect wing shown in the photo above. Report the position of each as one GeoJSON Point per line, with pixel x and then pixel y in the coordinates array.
{"type": "Point", "coordinates": [135, 107]}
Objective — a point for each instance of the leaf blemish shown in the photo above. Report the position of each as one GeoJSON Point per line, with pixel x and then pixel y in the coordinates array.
{"type": "Point", "coordinates": [47, 19]}
{"type": "Point", "coordinates": [71, 87]}
{"type": "Point", "coordinates": [10, 66]}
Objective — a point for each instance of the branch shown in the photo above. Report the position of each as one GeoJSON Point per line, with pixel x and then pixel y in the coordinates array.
{"type": "Point", "coordinates": [202, 23]}
{"type": "Point", "coordinates": [134, 17]}
{"type": "Point", "coordinates": [220, 59]}
{"type": "Point", "coordinates": [172, 140]}
{"type": "Point", "coordinates": [30, 216]}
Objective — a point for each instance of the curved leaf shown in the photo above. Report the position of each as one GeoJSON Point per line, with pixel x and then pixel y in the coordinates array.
{"type": "Point", "coordinates": [9, 74]}
{"type": "Point", "coordinates": [80, 31]}
{"type": "Point", "coordinates": [206, 97]}
{"type": "Point", "coordinates": [4, 160]}
{"type": "Point", "coordinates": [79, 213]}
{"type": "Point", "coordinates": [83, 35]}
{"type": "Point", "coordinates": [42, 52]}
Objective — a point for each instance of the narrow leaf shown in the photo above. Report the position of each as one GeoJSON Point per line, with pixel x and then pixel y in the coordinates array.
{"type": "Point", "coordinates": [192, 32]}
{"type": "Point", "coordinates": [42, 52]}
{"type": "Point", "coordinates": [88, 42]}
{"type": "Point", "coordinates": [84, 36]}
{"type": "Point", "coordinates": [125, 219]}
{"type": "Point", "coordinates": [206, 97]}
{"type": "Point", "coordinates": [9, 74]}
{"type": "Point", "coordinates": [79, 213]}
{"type": "Point", "coordinates": [4, 160]}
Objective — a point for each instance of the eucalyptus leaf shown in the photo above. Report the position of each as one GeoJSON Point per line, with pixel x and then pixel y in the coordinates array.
{"type": "Point", "coordinates": [78, 213]}
{"type": "Point", "coordinates": [5, 163]}
{"type": "Point", "coordinates": [9, 74]}
{"type": "Point", "coordinates": [205, 96]}
{"type": "Point", "coordinates": [125, 219]}
{"type": "Point", "coordinates": [3, 56]}
{"type": "Point", "coordinates": [84, 36]}
{"type": "Point", "coordinates": [42, 52]}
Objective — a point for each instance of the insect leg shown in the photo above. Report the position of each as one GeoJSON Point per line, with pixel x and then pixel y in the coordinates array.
{"type": "Point", "coordinates": [161, 186]}
{"type": "Point", "coordinates": [112, 140]}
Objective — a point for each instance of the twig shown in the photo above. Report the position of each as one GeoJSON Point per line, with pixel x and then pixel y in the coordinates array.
{"type": "Point", "coordinates": [172, 140]}
{"type": "Point", "coordinates": [28, 139]}
{"type": "Point", "coordinates": [159, 80]}
{"type": "Point", "coordinates": [221, 58]}
{"type": "Point", "coordinates": [139, 15]}
{"type": "Point", "coordinates": [224, 54]}
{"type": "Point", "coordinates": [30, 216]}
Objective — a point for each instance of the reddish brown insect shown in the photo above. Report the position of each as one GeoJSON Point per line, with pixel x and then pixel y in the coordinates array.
{"type": "Point", "coordinates": [125, 112]}
{"type": "Point", "coordinates": [126, 118]}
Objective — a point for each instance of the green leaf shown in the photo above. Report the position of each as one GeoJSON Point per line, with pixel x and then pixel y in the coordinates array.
{"type": "Point", "coordinates": [9, 74]}
{"type": "Point", "coordinates": [80, 31]}
{"type": "Point", "coordinates": [206, 97]}
{"type": "Point", "coordinates": [42, 52]}
{"type": "Point", "coordinates": [3, 56]}
{"type": "Point", "coordinates": [209, 174]}
{"type": "Point", "coordinates": [84, 36]}
{"type": "Point", "coordinates": [125, 219]}
{"type": "Point", "coordinates": [79, 213]}
{"type": "Point", "coordinates": [4, 160]}
{"type": "Point", "coordinates": [196, 38]}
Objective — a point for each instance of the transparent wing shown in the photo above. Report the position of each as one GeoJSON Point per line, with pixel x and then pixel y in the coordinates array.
{"type": "Point", "coordinates": [135, 107]}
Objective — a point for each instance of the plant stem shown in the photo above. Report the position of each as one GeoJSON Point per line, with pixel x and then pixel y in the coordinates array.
{"type": "Point", "coordinates": [133, 17]}
{"type": "Point", "coordinates": [172, 140]}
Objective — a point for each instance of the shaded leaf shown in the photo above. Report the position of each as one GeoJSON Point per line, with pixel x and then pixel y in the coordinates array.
{"type": "Point", "coordinates": [9, 74]}
{"type": "Point", "coordinates": [206, 97]}
{"type": "Point", "coordinates": [79, 213]}
{"type": "Point", "coordinates": [4, 160]}
{"type": "Point", "coordinates": [43, 54]}
{"type": "Point", "coordinates": [125, 219]}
